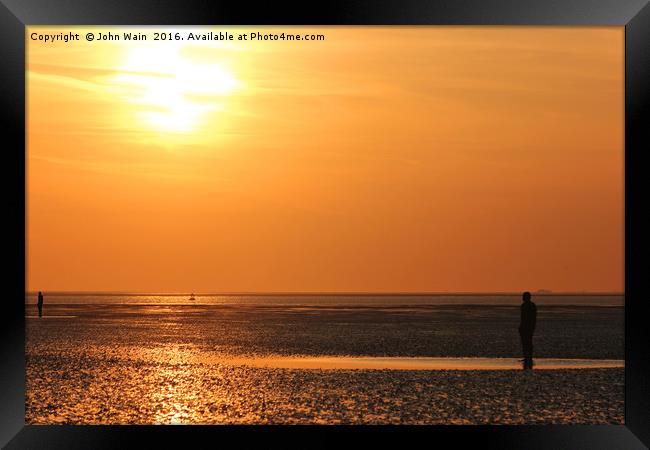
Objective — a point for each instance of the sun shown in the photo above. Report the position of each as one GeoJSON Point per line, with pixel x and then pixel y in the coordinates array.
{"type": "Point", "coordinates": [172, 93]}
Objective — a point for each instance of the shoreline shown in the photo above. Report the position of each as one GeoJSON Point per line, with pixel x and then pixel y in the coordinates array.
{"type": "Point", "coordinates": [408, 363]}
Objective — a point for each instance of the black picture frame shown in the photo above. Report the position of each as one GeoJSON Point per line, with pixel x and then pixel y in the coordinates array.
{"type": "Point", "coordinates": [633, 14]}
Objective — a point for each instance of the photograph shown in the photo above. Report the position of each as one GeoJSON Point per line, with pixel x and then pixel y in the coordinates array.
{"type": "Point", "coordinates": [332, 225]}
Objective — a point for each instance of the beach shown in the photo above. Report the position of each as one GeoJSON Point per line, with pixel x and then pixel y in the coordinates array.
{"type": "Point", "coordinates": [325, 225]}
{"type": "Point", "coordinates": [171, 362]}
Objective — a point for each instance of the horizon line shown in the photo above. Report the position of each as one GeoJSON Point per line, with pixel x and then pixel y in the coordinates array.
{"type": "Point", "coordinates": [336, 293]}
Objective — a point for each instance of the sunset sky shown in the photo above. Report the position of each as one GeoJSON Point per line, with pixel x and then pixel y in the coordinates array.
{"type": "Point", "coordinates": [382, 159]}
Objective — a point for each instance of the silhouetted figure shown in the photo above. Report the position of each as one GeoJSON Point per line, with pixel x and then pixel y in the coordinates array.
{"type": "Point", "coordinates": [40, 304]}
{"type": "Point", "coordinates": [527, 328]}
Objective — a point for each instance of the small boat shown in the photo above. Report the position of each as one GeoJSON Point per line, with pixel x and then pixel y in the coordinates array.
{"type": "Point", "coordinates": [192, 297]}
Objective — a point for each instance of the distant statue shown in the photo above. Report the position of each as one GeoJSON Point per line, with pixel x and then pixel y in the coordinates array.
{"type": "Point", "coordinates": [40, 304]}
{"type": "Point", "coordinates": [527, 328]}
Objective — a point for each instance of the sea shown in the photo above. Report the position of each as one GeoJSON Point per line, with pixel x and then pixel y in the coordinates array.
{"type": "Point", "coordinates": [327, 300]}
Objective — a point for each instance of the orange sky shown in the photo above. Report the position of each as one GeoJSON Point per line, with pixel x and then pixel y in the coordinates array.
{"type": "Point", "coordinates": [382, 159]}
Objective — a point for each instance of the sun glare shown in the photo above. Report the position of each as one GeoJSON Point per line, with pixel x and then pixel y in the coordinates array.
{"type": "Point", "coordinates": [173, 92]}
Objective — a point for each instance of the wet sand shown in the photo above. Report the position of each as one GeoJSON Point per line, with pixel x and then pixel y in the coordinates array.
{"type": "Point", "coordinates": [188, 364]}
{"type": "Point", "coordinates": [417, 363]}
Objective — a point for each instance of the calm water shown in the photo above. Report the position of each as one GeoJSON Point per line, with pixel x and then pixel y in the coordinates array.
{"type": "Point", "coordinates": [328, 300]}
